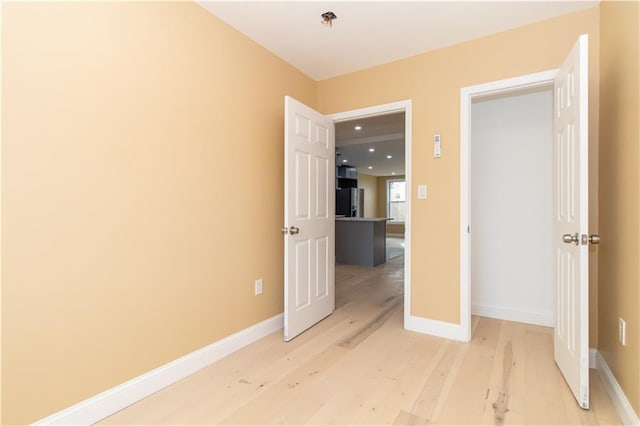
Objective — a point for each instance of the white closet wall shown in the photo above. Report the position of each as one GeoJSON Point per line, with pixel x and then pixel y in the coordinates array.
{"type": "Point", "coordinates": [511, 263]}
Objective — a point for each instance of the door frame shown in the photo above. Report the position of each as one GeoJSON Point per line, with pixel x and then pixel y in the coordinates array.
{"type": "Point", "coordinates": [467, 95]}
{"type": "Point", "coordinates": [385, 109]}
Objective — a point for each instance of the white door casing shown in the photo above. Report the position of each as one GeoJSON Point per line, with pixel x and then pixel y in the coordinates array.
{"type": "Point", "coordinates": [467, 95]}
{"type": "Point", "coordinates": [570, 210]}
{"type": "Point", "coordinates": [309, 218]}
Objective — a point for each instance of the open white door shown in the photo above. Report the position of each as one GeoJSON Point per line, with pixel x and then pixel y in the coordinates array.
{"type": "Point", "coordinates": [571, 221]}
{"type": "Point", "coordinates": [309, 218]}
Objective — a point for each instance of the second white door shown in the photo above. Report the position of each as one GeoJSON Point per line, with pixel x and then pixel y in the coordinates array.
{"type": "Point", "coordinates": [571, 220]}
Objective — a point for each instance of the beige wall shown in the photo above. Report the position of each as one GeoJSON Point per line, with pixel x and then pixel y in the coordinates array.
{"type": "Point", "coordinates": [370, 186]}
{"type": "Point", "coordinates": [142, 184]}
{"type": "Point", "coordinates": [619, 280]}
{"type": "Point", "coordinates": [433, 81]}
{"type": "Point", "coordinates": [381, 210]}
{"type": "Point", "coordinates": [124, 141]}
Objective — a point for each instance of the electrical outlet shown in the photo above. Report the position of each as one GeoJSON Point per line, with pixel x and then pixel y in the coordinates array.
{"type": "Point", "coordinates": [258, 286]}
{"type": "Point", "coordinates": [622, 331]}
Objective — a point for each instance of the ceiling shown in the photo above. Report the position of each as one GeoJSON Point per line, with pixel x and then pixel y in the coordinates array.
{"type": "Point", "coordinates": [370, 33]}
{"type": "Point", "coordinates": [384, 134]}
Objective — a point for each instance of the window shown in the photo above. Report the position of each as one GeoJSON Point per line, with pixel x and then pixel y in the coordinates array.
{"type": "Point", "coordinates": [396, 195]}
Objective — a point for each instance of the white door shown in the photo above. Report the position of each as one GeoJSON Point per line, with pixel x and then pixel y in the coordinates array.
{"type": "Point", "coordinates": [309, 218]}
{"type": "Point", "coordinates": [570, 237]}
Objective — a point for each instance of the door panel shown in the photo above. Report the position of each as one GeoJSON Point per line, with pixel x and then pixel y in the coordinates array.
{"type": "Point", "coordinates": [322, 193]}
{"type": "Point", "coordinates": [302, 276]}
{"type": "Point", "coordinates": [302, 185]}
{"type": "Point", "coordinates": [309, 248]}
{"type": "Point", "coordinates": [322, 260]}
{"type": "Point", "coordinates": [570, 176]}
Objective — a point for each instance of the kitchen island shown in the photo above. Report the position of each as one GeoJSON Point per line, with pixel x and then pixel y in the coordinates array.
{"type": "Point", "coordinates": [361, 241]}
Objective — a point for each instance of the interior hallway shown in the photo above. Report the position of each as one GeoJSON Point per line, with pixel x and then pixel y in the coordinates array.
{"type": "Point", "coordinates": [394, 246]}
{"type": "Point", "coordinates": [359, 366]}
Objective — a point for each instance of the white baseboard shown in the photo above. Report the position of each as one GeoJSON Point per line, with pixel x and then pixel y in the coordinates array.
{"type": "Point", "coordinates": [109, 402]}
{"type": "Point", "coordinates": [436, 328]}
{"type": "Point", "coordinates": [593, 353]}
{"type": "Point", "coordinates": [623, 406]}
{"type": "Point", "coordinates": [536, 318]}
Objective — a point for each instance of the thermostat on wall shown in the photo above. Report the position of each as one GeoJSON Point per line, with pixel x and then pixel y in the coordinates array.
{"type": "Point", "coordinates": [436, 146]}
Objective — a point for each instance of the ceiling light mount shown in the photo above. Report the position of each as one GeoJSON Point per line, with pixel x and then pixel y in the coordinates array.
{"type": "Point", "coordinates": [328, 17]}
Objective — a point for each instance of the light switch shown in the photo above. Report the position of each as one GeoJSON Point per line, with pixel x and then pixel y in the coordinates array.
{"type": "Point", "coordinates": [422, 192]}
{"type": "Point", "coordinates": [437, 151]}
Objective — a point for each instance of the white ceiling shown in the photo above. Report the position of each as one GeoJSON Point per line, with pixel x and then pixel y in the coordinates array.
{"type": "Point", "coordinates": [383, 133]}
{"type": "Point", "coordinates": [369, 33]}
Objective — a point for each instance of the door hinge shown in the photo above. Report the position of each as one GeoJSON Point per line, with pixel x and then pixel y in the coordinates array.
{"type": "Point", "coordinates": [468, 229]}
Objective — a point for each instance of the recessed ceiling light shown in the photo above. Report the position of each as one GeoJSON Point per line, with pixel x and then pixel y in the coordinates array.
{"type": "Point", "coordinates": [345, 161]}
{"type": "Point", "coordinates": [370, 167]}
{"type": "Point", "coordinates": [393, 173]}
{"type": "Point", "coordinates": [358, 127]}
{"type": "Point", "coordinates": [372, 149]}
{"type": "Point", "coordinates": [388, 156]}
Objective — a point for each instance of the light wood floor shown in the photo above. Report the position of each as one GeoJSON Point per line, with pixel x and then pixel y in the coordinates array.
{"type": "Point", "coordinates": [359, 366]}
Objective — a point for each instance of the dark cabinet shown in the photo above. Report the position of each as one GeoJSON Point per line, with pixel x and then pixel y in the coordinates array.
{"type": "Point", "coordinates": [346, 177]}
{"type": "Point", "coordinates": [347, 172]}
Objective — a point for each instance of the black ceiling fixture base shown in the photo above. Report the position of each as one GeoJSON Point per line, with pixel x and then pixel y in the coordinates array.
{"type": "Point", "coordinates": [328, 17]}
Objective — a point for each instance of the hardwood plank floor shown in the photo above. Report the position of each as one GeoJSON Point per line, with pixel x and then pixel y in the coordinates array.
{"type": "Point", "coordinates": [359, 366]}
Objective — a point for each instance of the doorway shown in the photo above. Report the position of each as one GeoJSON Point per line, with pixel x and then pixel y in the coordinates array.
{"type": "Point", "coordinates": [354, 116]}
{"type": "Point", "coordinates": [511, 206]}
{"type": "Point", "coordinates": [570, 211]}
{"type": "Point", "coordinates": [310, 219]}
{"type": "Point", "coordinates": [502, 88]}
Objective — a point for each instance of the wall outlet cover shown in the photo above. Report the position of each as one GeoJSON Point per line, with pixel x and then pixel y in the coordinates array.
{"type": "Point", "coordinates": [422, 192]}
{"type": "Point", "coordinates": [622, 331]}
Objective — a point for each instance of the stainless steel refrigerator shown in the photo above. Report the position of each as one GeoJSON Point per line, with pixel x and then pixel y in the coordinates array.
{"type": "Point", "coordinates": [350, 202]}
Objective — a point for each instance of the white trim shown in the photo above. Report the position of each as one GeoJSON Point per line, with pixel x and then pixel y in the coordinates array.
{"type": "Point", "coordinates": [109, 402]}
{"type": "Point", "coordinates": [400, 106]}
{"type": "Point", "coordinates": [537, 318]}
{"type": "Point", "coordinates": [384, 109]}
{"type": "Point", "coordinates": [436, 328]}
{"type": "Point", "coordinates": [623, 406]}
{"type": "Point", "coordinates": [467, 94]}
